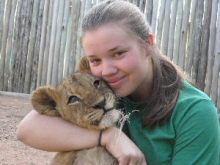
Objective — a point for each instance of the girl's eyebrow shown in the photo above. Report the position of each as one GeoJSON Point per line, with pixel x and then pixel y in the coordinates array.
{"type": "Point", "coordinates": [90, 56]}
{"type": "Point", "coordinates": [124, 46]}
{"type": "Point", "coordinates": [113, 49]}
{"type": "Point", "coordinates": [110, 50]}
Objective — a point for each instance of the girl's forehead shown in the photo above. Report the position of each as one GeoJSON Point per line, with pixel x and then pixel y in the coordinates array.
{"type": "Point", "coordinates": [109, 27]}
{"type": "Point", "coordinates": [108, 32]}
{"type": "Point", "coordinates": [106, 40]}
{"type": "Point", "coordinates": [104, 32]}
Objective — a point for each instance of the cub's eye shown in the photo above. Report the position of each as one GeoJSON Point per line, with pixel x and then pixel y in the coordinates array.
{"type": "Point", "coordinates": [73, 99]}
{"type": "Point", "coordinates": [96, 84]}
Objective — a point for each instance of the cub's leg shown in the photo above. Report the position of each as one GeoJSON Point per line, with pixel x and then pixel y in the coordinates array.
{"type": "Point", "coordinates": [94, 156]}
{"type": "Point", "coordinates": [64, 158]}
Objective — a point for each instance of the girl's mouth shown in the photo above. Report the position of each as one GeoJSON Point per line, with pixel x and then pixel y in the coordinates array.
{"type": "Point", "coordinates": [115, 83]}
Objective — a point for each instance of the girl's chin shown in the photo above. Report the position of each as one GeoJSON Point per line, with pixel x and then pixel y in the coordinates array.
{"type": "Point", "coordinates": [119, 94]}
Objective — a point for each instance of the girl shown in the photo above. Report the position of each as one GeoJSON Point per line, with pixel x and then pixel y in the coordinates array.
{"type": "Point", "coordinates": [171, 122]}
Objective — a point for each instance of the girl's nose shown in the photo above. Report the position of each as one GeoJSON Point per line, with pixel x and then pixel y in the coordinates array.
{"type": "Point", "coordinates": [108, 68]}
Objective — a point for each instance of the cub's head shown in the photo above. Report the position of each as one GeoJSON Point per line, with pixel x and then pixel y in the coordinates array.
{"type": "Point", "coordinates": [81, 99]}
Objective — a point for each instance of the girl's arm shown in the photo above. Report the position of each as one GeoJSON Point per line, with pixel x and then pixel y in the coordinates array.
{"type": "Point", "coordinates": [55, 134]}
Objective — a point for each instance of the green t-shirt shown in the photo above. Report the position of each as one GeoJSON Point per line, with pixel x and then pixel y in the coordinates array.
{"type": "Point", "coordinates": [191, 136]}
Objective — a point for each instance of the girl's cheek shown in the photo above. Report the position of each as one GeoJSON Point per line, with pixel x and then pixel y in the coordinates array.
{"type": "Point", "coordinates": [95, 72]}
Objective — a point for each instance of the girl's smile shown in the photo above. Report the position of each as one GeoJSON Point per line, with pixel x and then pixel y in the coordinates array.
{"type": "Point", "coordinates": [115, 83]}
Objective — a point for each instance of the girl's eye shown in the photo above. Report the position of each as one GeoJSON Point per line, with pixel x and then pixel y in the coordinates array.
{"type": "Point", "coordinates": [119, 53]}
{"type": "Point", "coordinates": [95, 61]}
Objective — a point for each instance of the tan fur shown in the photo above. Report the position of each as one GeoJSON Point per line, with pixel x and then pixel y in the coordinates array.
{"type": "Point", "coordinates": [83, 100]}
{"type": "Point", "coordinates": [83, 65]}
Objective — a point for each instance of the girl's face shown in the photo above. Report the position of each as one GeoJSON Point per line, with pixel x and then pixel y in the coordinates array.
{"type": "Point", "coordinates": [120, 59]}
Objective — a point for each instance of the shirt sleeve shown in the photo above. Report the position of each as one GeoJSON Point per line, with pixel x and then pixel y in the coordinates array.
{"type": "Point", "coordinates": [197, 136]}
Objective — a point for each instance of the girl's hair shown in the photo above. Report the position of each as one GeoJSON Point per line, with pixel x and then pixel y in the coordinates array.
{"type": "Point", "coordinates": [167, 78]}
{"type": "Point", "coordinates": [119, 11]}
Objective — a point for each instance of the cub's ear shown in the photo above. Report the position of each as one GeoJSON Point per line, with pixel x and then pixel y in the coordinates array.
{"type": "Point", "coordinates": [44, 100]}
{"type": "Point", "coordinates": [83, 65]}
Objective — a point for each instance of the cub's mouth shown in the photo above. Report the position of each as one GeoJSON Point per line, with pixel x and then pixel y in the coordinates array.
{"type": "Point", "coordinates": [107, 110]}
{"type": "Point", "coordinates": [96, 122]}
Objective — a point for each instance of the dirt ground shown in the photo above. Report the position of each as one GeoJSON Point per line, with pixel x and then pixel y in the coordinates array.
{"type": "Point", "coordinates": [13, 108]}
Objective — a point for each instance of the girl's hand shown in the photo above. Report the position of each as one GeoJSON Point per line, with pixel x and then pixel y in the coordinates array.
{"type": "Point", "coordinates": [122, 148]}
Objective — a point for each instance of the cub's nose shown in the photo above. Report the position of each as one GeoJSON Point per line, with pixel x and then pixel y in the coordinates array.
{"type": "Point", "coordinates": [100, 105]}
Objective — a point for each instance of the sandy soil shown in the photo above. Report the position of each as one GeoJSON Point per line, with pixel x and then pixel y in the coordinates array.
{"type": "Point", "coordinates": [13, 108]}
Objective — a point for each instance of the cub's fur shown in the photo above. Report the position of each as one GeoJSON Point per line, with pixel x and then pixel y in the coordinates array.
{"type": "Point", "coordinates": [84, 100]}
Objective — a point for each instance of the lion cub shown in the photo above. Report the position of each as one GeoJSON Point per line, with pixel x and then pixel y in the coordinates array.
{"type": "Point", "coordinates": [84, 100]}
